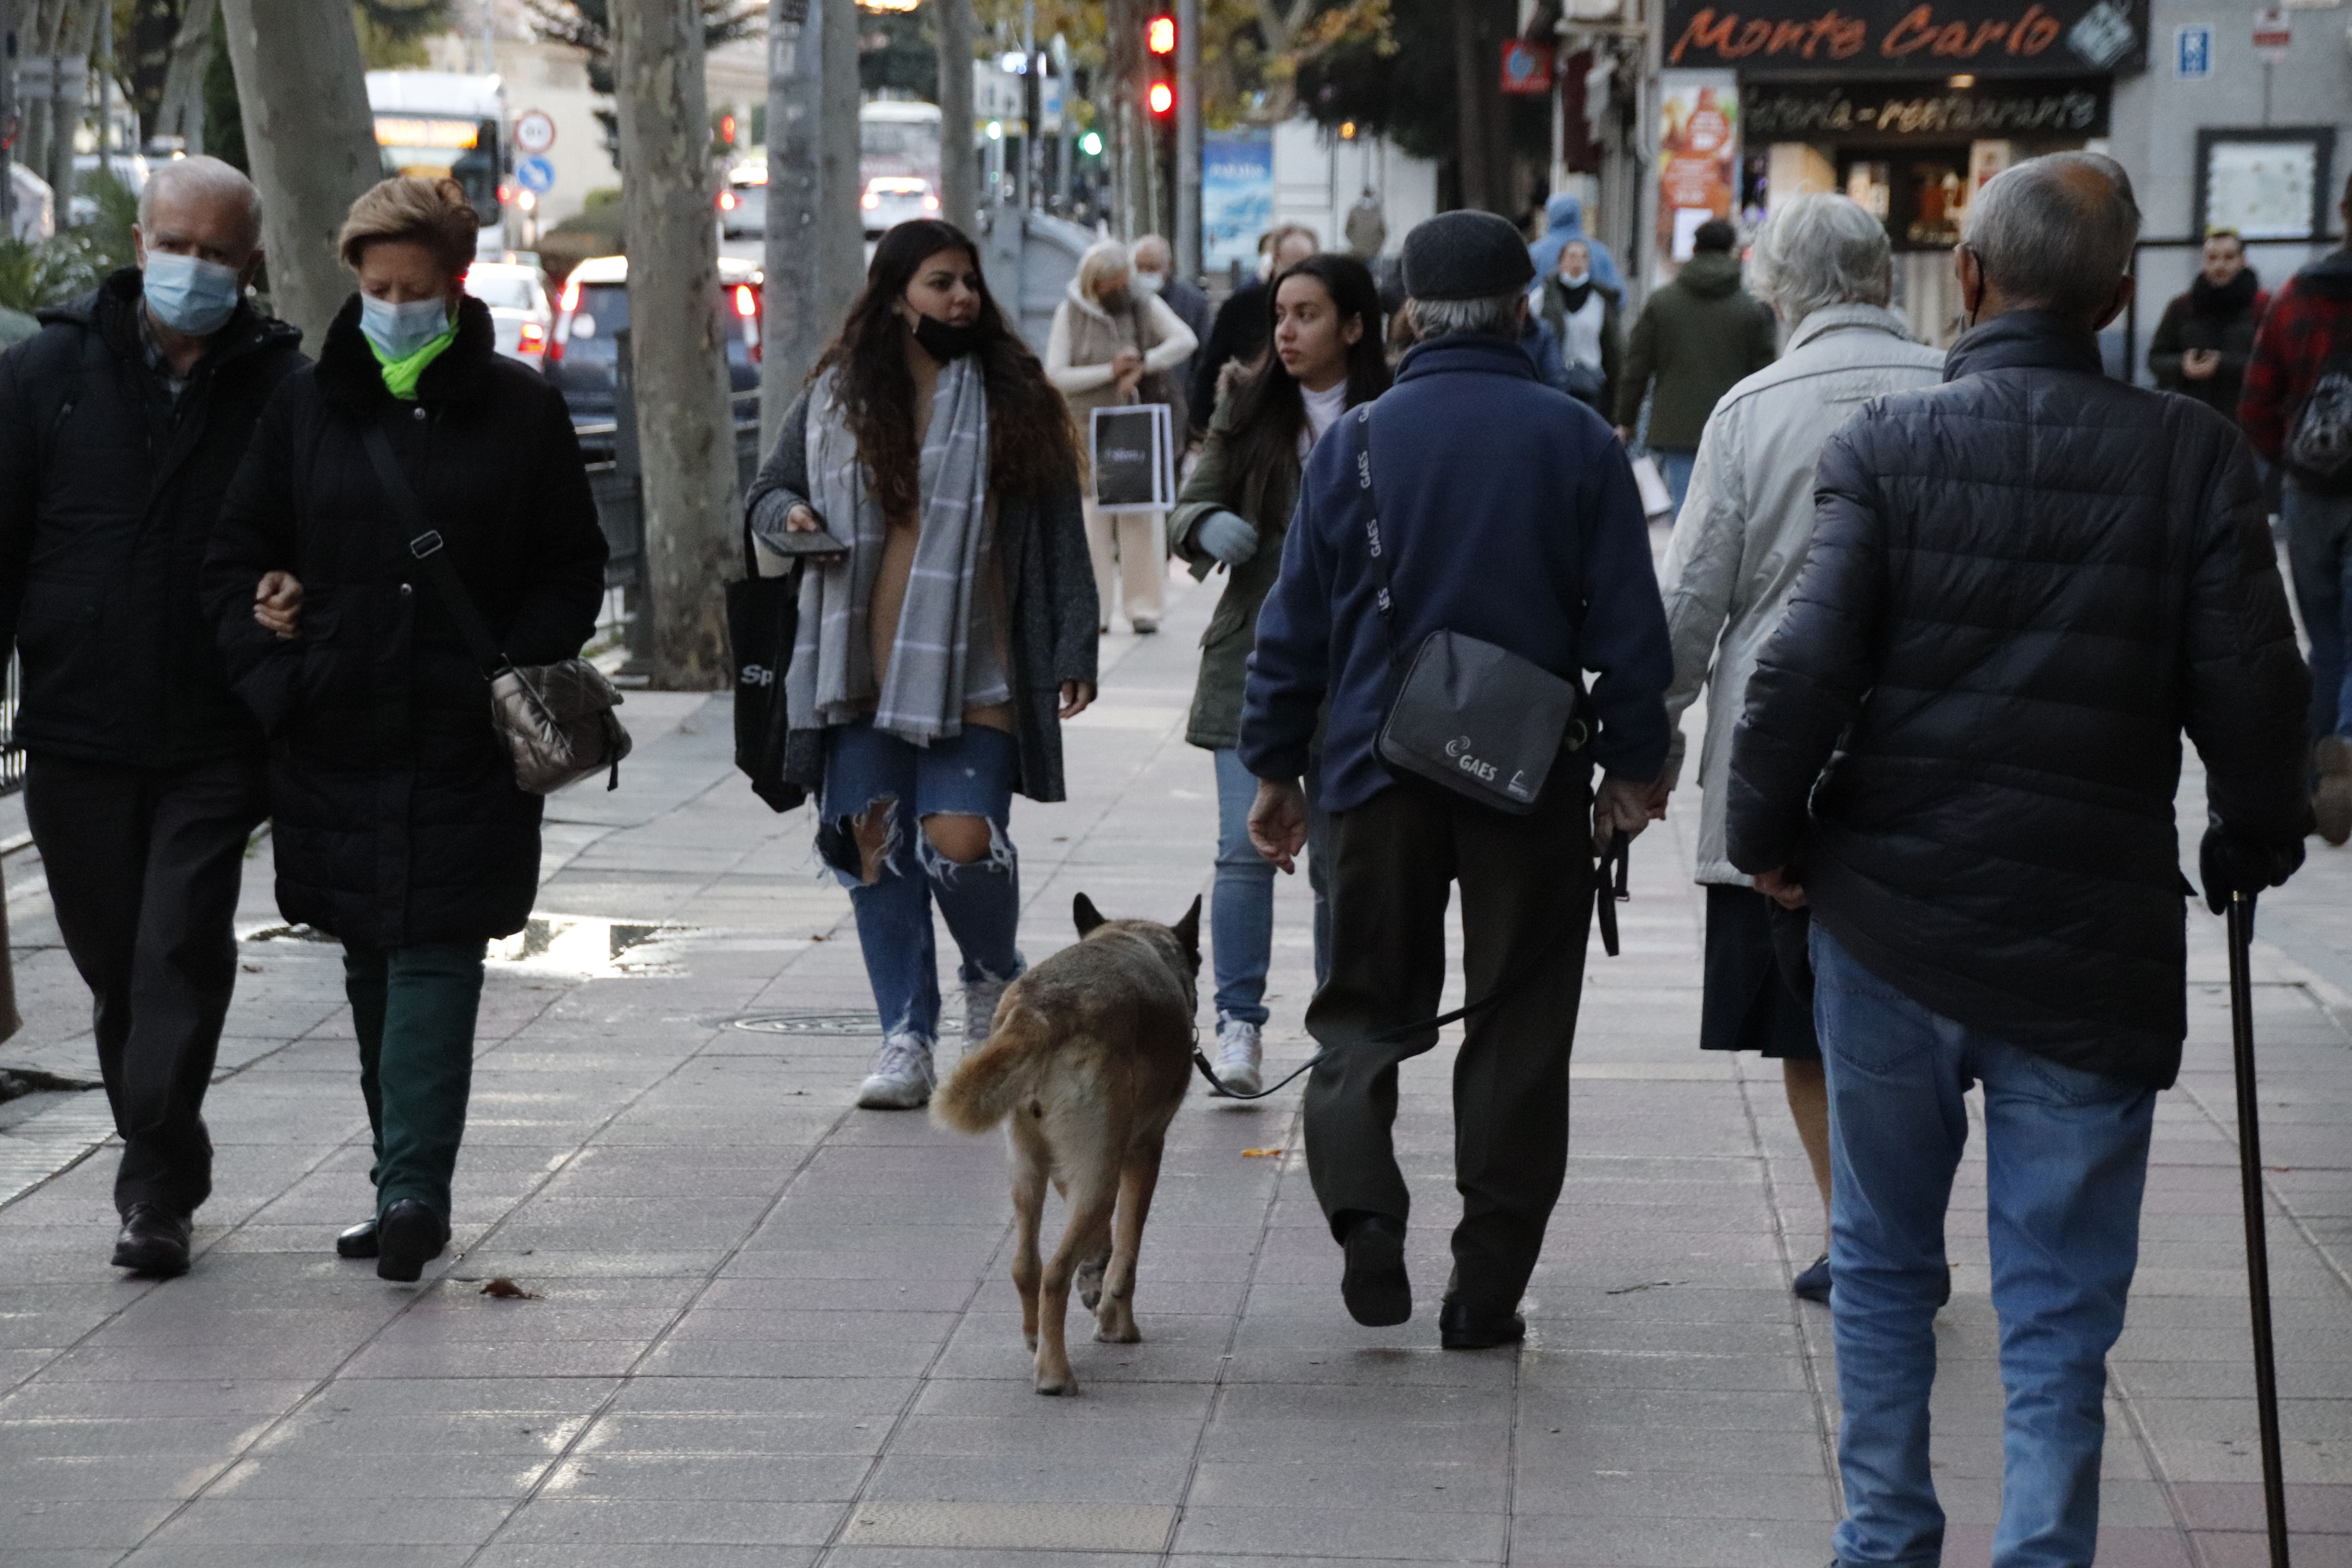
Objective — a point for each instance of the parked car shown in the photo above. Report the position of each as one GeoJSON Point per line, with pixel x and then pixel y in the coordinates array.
{"type": "Point", "coordinates": [743, 201]}
{"type": "Point", "coordinates": [893, 199]}
{"type": "Point", "coordinates": [581, 358]}
{"type": "Point", "coordinates": [517, 295]}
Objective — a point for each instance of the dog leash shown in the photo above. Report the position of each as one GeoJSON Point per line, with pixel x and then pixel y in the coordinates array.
{"type": "Point", "coordinates": [1608, 891]}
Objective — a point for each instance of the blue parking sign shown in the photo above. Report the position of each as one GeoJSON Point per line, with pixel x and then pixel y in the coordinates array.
{"type": "Point", "coordinates": [2193, 52]}
{"type": "Point", "coordinates": [535, 175]}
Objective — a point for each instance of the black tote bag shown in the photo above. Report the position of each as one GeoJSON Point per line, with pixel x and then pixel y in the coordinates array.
{"type": "Point", "coordinates": [763, 616]}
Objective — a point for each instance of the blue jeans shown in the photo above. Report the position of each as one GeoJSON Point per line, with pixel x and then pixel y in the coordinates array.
{"type": "Point", "coordinates": [2319, 549]}
{"type": "Point", "coordinates": [2065, 1163]}
{"type": "Point", "coordinates": [1241, 900]}
{"type": "Point", "coordinates": [1675, 467]}
{"type": "Point", "coordinates": [970, 776]}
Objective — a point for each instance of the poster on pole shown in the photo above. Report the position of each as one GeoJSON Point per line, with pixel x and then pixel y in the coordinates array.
{"type": "Point", "coordinates": [1132, 458]}
{"type": "Point", "coordinates": [1237, 195]}
{"type": "Point", "coordinates": [1698, 159]}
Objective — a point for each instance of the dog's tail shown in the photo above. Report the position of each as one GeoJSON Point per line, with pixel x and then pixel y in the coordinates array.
{"type": "Point", "coordinates": [987, 1084]}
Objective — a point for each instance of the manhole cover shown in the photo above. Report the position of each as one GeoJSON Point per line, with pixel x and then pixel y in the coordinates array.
{"type": "Point", "coordinates": [810, 1023]}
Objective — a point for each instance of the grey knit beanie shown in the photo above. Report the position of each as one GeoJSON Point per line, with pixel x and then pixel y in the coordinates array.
{"type": "Point", "coordinates": [1465, 255]}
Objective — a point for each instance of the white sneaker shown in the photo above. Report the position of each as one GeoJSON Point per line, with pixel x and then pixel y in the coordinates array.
{"type": "Point", "coordinates": [902, 1078]}
{"type": "Point", "coordinates": [1237, 1056]}
{"type": "Point", "coordinates": [979, 1000]}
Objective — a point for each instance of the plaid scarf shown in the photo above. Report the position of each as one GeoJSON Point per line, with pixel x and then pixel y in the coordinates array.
{"type": "Point", "coordinates": [940, 664]}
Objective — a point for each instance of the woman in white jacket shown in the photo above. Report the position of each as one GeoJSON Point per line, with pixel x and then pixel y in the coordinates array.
{"type": "Point", "coordinates": [1825, 265]}
{"type": "Point", "coordinates": [1112, 343]}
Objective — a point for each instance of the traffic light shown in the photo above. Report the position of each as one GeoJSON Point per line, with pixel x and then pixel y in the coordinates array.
{"type": "Point", "coordinates": [1159, 80]}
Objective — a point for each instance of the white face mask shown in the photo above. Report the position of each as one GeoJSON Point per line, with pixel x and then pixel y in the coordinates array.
{"type": "Point", "coordinates": [402, 329]}
{"type": "Point", "coordinates": [1575, 279]}
{"type": "Point", "coordinates": [1149, 282]}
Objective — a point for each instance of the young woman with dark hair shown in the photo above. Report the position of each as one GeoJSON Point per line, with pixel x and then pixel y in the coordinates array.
{"type": "Point", "coordinates": [941, 646]}
{"type": "Point", "coordinates": [1326, 356]}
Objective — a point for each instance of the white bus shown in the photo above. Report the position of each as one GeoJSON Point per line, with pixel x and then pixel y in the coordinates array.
{"type": "Point", "coordinates": [897, 162]}
{"type": "Point", "coordinates": [441, 122]}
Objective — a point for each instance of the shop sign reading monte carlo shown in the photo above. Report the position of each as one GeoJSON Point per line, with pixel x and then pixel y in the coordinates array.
{"type": "Point", "coordinates": [1925, 111]}
{"type": "Point", "coordinates": [1894, 38]}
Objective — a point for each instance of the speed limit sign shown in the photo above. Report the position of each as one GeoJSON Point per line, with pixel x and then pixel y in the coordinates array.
{"type": "Point", "coordinates": [534, 131]}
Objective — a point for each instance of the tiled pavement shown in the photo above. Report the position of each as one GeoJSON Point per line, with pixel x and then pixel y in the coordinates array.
{"type": "Point", "coordinates": [767, 1329]}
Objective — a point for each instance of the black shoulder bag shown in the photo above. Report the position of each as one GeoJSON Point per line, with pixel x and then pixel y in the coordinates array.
{"type": "Point", "coordinates": [1484, 722]}
{"type": "Point", "coordinates": [556, 719]}
{"type": "Point", "coordinates": [763, 617]}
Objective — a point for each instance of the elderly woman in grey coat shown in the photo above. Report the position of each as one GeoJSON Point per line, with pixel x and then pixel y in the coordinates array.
{"type": "Point", "coordinates": [1823, 263]}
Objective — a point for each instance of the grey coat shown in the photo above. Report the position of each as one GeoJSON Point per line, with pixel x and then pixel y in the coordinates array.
{"type": "Point", "coordinates": [1049, 587]}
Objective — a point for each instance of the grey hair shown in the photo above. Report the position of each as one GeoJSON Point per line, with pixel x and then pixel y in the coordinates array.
{"type": "Point", "coordinates": [1822, 249]}
{"type": "Point", "coordinates": [1105, 258]}
{"type": "Point", "coordinates": [2056, 233]}
{"type": "Point", "coordinates": [1498, 315]}
{"type": "Point", "coordinates": [200, 176]}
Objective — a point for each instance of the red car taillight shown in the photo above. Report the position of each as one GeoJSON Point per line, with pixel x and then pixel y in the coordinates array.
{"type": "Point", "coordinates": [533, 337]}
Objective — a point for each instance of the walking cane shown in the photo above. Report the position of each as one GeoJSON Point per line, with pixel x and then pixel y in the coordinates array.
{"type": "Point", "coordinates": [2258, 1258]}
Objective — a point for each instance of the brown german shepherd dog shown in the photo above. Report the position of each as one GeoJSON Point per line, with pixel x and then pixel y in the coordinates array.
{"type": "Point", "coordinates": [1089, 1057]}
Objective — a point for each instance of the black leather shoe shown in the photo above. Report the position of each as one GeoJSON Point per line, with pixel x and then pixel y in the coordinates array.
{"type": "Point", "coordinates": [1813, 1284]}
{"type": "Point", "coordinates": [1375, 1287]}
{"type": "Point", "coordinates": [153, 1240]}
{"type": "Point", "coordinates": [357, 1242]}
{"type": "Point", "coordinates": [408, 1236]}
{"type": "Point", "coordinates": [1461, 1329]}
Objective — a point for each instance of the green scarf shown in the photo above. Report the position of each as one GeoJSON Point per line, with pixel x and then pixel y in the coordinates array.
{"type": "Point", "coordinates": [400, 375]}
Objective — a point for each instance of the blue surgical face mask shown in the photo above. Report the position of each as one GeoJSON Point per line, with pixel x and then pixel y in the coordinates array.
{"type": "Point", "coordinates": [189, 294]}
{"type": "Point", "coordinates": [400, 330]}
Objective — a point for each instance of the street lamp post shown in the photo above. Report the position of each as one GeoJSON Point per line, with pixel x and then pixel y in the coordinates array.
{"type": "Point", "coordinates": [1187, 139]}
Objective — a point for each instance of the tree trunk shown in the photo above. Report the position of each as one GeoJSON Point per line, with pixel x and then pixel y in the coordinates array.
{"type": "Point", "coordinates": [815, 257]}
{"type": "Point", "coordinates": [842, 230]}
{"type": "Point", "coordinates": [76, 41]}
{"type": "Point", "coordinates": [1470, 145]}
{"type": "Point", "coordinates": [304, 96]}
{"type": "Point", "coordinates": [686, 429]}
{"type": "Point", "coordinates": [182, 111]}
{"type": "Point", "coordinates": [44, 26]}
{"type": "Point", "coordinates": [954, 21]}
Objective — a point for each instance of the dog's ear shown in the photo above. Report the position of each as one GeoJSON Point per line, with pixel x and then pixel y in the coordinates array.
{"type": "Point", "coordinates": [1089, 917]}
{"type": "Point", "coordinates": [1188, 929]}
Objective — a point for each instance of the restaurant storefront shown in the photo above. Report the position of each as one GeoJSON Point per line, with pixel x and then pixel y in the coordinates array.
{"type": "Point", "coordinates": [1905, 106]}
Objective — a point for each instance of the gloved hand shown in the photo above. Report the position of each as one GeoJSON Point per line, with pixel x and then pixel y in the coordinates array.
{"type": "Point", "coordinates": [1227, 536]}
{"type": "Point", "coordinates": [2231, 863]}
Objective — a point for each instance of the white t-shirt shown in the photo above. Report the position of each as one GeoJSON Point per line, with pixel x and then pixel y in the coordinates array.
{"type": "Point", "coordinates": [1323, 411]}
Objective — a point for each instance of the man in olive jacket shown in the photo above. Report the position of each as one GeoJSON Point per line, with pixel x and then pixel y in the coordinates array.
{"type": "Point", "coordinates": [1962, 747]}
{"type": "Point", "coordinates": [1696, 338]}
{"type": "Point", "coordinates": [121, 425]}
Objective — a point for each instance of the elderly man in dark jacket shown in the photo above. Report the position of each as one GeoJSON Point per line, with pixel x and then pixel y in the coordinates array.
{"type": "Point", "coordinates": [2024, 586]}
{"type": "Point", "coordinates": [121, 423]}
{"type": "Point", "coordinates": [1507, 514]}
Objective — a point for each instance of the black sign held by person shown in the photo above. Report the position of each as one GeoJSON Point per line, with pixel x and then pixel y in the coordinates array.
{"type": "Point", "coordinates": [1130, 449]}
{"type": "Point", "coordinates": [1926, 37]}
{"type": "Point", "coordinates": [1897, 112]}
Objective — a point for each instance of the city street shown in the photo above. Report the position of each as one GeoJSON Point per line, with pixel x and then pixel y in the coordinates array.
{"type": "Point", "coordinates": [749, 1324]}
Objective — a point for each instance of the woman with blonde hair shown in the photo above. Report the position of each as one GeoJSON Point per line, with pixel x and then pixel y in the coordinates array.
{"type": "Point", "coordinates": [1111, 344]}
{"type": "Point", "coordinates": [400, 829]}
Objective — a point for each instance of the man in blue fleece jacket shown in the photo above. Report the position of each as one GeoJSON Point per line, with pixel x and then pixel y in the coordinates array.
{"type": "Point", "coordinates": [1509, 514]}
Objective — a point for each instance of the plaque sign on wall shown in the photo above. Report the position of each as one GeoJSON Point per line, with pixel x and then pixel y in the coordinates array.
{"type": "Point", "coordinates": [1924, 37]}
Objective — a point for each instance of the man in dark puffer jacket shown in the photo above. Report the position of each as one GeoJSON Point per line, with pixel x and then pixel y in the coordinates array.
{"type": "Point", "coordinates": [121, 423]}
{"type": "Point", "coordinates": [2022, 587]}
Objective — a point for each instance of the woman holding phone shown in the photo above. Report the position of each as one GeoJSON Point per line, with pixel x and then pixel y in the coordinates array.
{"type": "Point", "coordinates": [946, 628]}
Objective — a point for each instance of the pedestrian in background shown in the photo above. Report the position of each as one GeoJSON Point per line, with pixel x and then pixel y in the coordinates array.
{"type": "Point", "coordinates": [1582, 313]}
{"type": "Point", "coordinates": [2307, 334]}
{"type": "Point", "coordinates": [1325, 358]}
{"type": "Point", "coordinates": [399, 829]}
{"type": "Point", "coordinates": [1961, 748]}
{"type": "Point", "coordinates": [1827, 269]}
{"type": "Point", "coordinates": [1239, 333]}
{"type": "Point", "coordinates": [1111, 345]}
{"type": "Point", "coordinates": [940, 649]}
{"type": "Point", "coordinates": [1564, 225]}
{"type": "Point", "coordinates": [1155, 273]}
{"type": "Point", "coordinates": [1696, 337]}
{"type": "Point", "coordinates": [1506, 512]}
{"type": "Point", "coordinates": [2206, 337]}
{"type": "Point", "coordinates": [121, 423]}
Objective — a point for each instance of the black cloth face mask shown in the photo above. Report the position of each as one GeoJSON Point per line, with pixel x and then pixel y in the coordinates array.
{"type": "Point", "coordinates": [944, 342]}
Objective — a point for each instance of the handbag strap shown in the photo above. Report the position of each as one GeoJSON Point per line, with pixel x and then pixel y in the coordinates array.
{"type": "Point", "coordinates": [426, 544]}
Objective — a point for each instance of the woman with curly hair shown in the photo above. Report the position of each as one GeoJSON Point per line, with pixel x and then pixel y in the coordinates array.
{"type": "Point", "coordinates": [941, 646]}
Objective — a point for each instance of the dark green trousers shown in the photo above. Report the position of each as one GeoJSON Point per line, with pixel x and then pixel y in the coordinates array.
{"type": "Point", "coordinates": [414, 1009]}
{"type": "Point", "coordinates": [1527, 900]}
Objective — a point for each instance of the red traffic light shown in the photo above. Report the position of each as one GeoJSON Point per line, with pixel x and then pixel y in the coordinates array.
{"type": "Point", "coordinates": [726, 131]}
{"type": "Point", "coordinates": [1159, 37]}
{"type": "Point", "coordinates": [1161, 98]}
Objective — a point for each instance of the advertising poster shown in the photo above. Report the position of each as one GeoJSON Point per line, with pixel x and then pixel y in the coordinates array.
{"type": "Point", "coordinates": [1237, 195]}
{"type": "Point", "coordinates": [1698, 158]}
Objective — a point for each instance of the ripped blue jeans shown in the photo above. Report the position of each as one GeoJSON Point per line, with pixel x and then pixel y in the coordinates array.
{"type": "Point", "coordinates": [970, 776]}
